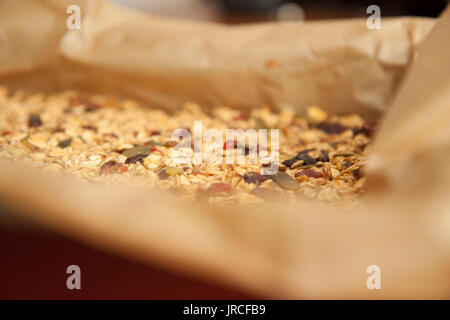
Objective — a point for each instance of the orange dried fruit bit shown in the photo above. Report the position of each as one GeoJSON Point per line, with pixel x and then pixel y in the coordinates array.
{"type": "Point", "coordinates": [271, 63]}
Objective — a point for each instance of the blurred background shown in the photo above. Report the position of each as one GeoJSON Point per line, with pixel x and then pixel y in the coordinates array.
{"type": "Point", "coordinates": [243, 11]}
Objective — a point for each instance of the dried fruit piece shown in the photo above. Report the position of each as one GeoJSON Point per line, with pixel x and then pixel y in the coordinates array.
{"type": "Point", "coordinates": [34, 121]}
{"type": "Point", "coordinates": [255, 177]}
{"type": "Point", "coordinates": [111, 167]}
{"type": "Point", "coordinates": [89, 127]}
{"type": "Point", "coordinates": [285, 181]}
{"type": "Point", "coordinates": [331, 128]}
{"type": "Point", "coordinates": [65, 143]}
{"type": "Point", "coordinates": [128, 153]}
{"type": "Point", "coordinates": [218, 188]}
{"type": "Point", "coordinates": [309, 173]}
{"type": "Point", "coordinates": [174, 171]}
{"type": "Point", "coordinates": [154, 133]}
{"type": "Point", "coordinates": [358, 173]}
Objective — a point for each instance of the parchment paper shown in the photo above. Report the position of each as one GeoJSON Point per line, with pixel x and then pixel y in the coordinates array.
{"type": "Point", "coordinates": [311, 251]}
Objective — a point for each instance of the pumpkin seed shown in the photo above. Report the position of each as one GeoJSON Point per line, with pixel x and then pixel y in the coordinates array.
{"type": "Point", "coordinates": [128, 153]}
{"type": "Point", "coordinates": [65, 143]}
{"type": "Point", "coordinates": [136, 158]}
{"type": "Point", "coordinates": [285, 181]}
{"type": "Point", "coordinates": [174, 171]}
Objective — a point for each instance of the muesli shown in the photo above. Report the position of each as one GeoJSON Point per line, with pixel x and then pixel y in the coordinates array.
{"type": "Point", "coordinates": [100, 138]}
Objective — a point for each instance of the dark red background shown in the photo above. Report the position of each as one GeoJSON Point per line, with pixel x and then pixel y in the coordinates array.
{"type": "Point", "coordinates": [33, 266]}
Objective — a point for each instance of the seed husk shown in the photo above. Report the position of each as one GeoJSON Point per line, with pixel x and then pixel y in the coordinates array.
{"type": "Point", "coordinates": [128, 153]}
{"type": "Point", "coordinates": [285, 181]}
{"type": "Point", "coordinates": [28, 145]}
{"type": "Point", "coordinates": [65, 143]}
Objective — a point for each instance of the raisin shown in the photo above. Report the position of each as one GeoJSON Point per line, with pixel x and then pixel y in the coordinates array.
{"type": "Point", "coordinates": [34, 121]}
{"type": "Point", "coordinates": [331, 128]}
{"type": "Point", "coordinates": [309, 173]}
{"type": "Point", "coordinates": [255, 178]}
{"type": "Point", "coordinates": [358, 173]}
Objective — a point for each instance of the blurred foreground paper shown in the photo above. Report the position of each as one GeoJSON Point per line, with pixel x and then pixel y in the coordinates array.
{"type": "Point", "coordinates": [307, 252]}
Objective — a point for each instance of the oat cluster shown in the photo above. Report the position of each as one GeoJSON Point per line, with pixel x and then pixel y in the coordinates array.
{"type": "Point", "coordinates": [98, 138]}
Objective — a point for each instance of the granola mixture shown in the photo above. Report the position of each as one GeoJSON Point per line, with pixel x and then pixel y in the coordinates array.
{"type": "Point", "coordinates": [118, 141]}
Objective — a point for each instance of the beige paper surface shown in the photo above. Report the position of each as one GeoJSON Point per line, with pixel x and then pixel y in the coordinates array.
{"type": "Point", "coordinates": [307, 252]}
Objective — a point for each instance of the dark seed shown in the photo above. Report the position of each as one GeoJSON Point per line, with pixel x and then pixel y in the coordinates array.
{"type": "Point", "coordinates": [303, 155]}
{"type": "Point", "coordinates": [324, 157]}
{"type": "Point", "coordinates": [65, 143]}
{"type": "Point", "coordinates": [290, 162]}
{"type": "Point", "coordinates": [34, 121]}
{"type": "Point", "coordinates": [136, 158]}
{"type": "Point", "coordinates": [347, 164]}
{"type": "Point", "coordinates": [91, 107]}
{"type": "Point", "coordinates": [331, 128]}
